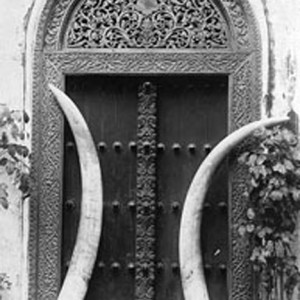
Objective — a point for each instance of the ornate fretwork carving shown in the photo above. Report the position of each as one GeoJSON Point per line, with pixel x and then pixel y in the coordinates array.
{"type": "Point", "coordinates": [147, 24]}
{"type": "Point", "coordinates": [54, 26]}
{"type": "Point", "coordinates": [242, 111]}
{"type": "Point", "coordinates": [241, 27]}
{"type": "Point", "coordinates": [147, 62]}
{"type": "Point", "coordinates": [47, 175]}
{"type": "Point", "coordinates": [146, 185]}
{"type": "Point", "coordinates": [240, 250]}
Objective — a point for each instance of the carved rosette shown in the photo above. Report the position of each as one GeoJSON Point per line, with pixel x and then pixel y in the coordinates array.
{"type": "Point", "coordinates": [146, 186]}
{"type": "Point", "coordinates": [147, 24]}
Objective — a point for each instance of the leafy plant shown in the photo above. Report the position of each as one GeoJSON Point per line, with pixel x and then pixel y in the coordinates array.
{"type": "Point", "coordinates": [14, 153]}
{"type": "Point", "coordinates": [271, 219]}
{"type": "Point", "coordinates": [5, 283]}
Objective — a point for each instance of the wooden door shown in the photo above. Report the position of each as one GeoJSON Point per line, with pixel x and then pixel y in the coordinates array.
{"type": "Point", "coordinates": [152, 132]}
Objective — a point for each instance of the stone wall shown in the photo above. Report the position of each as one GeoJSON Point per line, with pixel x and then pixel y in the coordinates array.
{"type": "Point", "coordinates": [17, 28]}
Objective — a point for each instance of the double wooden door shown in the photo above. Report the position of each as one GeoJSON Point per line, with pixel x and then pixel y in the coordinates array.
{"type": "Point", "coordinates": [151, 132]}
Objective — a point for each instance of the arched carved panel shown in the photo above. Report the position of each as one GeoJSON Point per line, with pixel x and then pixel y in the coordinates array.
{"type": "Point", "coordinates": [147, 24]}
{"type": "Point", "coordinates": [175, 24]}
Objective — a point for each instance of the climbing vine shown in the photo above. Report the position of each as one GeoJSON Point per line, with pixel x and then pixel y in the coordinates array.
{"type": "Point", "coordinates": [5, 283]}
{"type": "Point", "coordinates": [271, 219]}
{"type": "Point", "coordinates": [14, 153]}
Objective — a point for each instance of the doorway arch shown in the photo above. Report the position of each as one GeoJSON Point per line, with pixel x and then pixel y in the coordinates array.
{"type": "Point", "coordinates": [237, 55]}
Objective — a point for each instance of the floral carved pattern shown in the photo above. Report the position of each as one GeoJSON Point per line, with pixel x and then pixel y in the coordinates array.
{"type": "Point", "coordinates": [241, 27]}
{"type": "Point", "coordinates": [146, 185]}
{"type": "Point", "coordinates": [175, 24]}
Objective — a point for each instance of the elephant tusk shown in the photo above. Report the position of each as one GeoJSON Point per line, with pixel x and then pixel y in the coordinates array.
{"type": "Point", "coordinates": [191, 265]}
{"type": "Point", "coordinates": [86, 247]}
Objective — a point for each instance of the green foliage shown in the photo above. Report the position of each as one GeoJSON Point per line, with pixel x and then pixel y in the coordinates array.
{"type": "Point", "coordinates": [5, 283]}
{"type": "Point", "coordinates": [270, 223]}
{"type": "Point", "coordinates": [14, 153]}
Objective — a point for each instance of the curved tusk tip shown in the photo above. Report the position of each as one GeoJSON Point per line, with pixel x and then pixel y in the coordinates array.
{"type": "Point", "coordinates": [52, 88]}
{"type": "Point", "coordinates": [286, 118]}
{"type": "Point", "coordinates": [58, 94]}
{"type": "Point", "coordinates": [275, 120]}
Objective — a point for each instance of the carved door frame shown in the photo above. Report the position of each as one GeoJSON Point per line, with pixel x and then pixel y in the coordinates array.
{"type": "Point", "coordinates": [241, 62]}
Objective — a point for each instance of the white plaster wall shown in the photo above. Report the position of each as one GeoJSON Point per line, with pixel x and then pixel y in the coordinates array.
{"type": "Point", "coordinates": [284, 17]}
{"type": "Point", "coordinates": [12, 230]}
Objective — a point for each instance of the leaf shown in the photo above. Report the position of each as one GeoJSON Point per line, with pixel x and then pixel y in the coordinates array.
{"type": "Point", "coordinates": [250, 228]}
{"type": "Point", "coordinates": [19, 149]}
{"type": "Point", "coordinates": [256, 268]}
{"type": "Point", "coordinates": [22, 150]}
{"type": "Point", "coordinates": [11, 150]}
{"type": "Point", "coordinates": [25, 151]}
{"type": "Point", "coordinates": [250, 213]}
{"type": "Point", "coordinates": [269, 247]}
{"type": "Point", "coordinates": [288, 165]}
{"type": "Point", "coordinates": [24, 183]}
{"type": "Point", "coordinates": [4, 138]}
{"type": "Point", "coordinates": [242, 230]}
{"type": "Point", "coordinates": [289, 137]}
{"type": "Point", "coordinates": [3, 161]}
{"type": "Point", "coordinates": [252, 159]}
{"type": "Point", "coordinates": [3, 196]}
{"type": "Point", "coordinates": [26, 117]}
{"type": "Point", "coordinates": [255, 171]}
{"type": "Point", "coordinates": [264, 231]}
{"type": "Point", "coordinates": [296, 195]}
{"type": "Point", "coordinates": [254, 183]}
{"type": "Point", "coordinates": [10, 167]}
{"type": "Point", "coordinates": [22, 135]}
{"type": "Point", "coordinates": [279, 168]}
{"type": "Point", "coordinates": [276, 195]}
{"type": "Point", "coordinates": [255, 254]}
{"type": "Point", "coordinates": [263, 171]}
{"type": "Point", "coordinates": [14, 131]}
{"type": "Point", "coordinates": [4, 115]}
{"type": "Point", "coordinates": [4, 202]}
{"type": "Point", "coordinates": [296, 155]}
{"type": "Point", "coordinates": [243, 158]}
{"type": "Point", "coordinates": [261, 159]}
{"type": "Point", "coordinates": [279, 249]}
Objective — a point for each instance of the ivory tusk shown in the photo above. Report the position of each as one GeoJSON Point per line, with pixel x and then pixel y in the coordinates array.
{"type": "Point", "coordinates": [86, 247]}
{"type": "Point", "coordinates": [191, 266]}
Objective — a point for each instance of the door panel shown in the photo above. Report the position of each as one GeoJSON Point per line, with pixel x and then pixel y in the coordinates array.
{"type": "Point", "coordinates": [111, 118]}
{"type": "Point", "coordinates": [190, 113]}
{"type": "Point", "coordinates": [191, 117]}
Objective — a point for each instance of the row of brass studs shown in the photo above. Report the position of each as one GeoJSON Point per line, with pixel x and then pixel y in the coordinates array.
{"type": "Point", "coordinates": [70, 205]}
{"type": "Point", "coordinates": [118, 146]}
{"type": "Point", "coordinates": [209, 267]}
{"type": "Point", "coordinates": [222, 205]}
{"type": "Point", "coordinates": [116, 266]}
{"type": "Point", "coordinates": [160, 206]}
{"type": "Point", "coordinates": [132, 206]}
